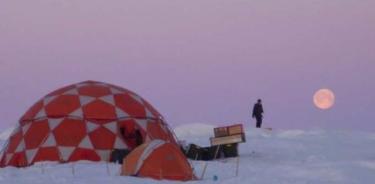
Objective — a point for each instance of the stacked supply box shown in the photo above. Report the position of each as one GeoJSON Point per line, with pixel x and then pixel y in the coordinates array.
{"type": "Point", "coordinates": [228, 137]}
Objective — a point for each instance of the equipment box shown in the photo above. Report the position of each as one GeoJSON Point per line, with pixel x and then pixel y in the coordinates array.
{"type": "Point", "coordinates": [221, 131]}
{"type": "Point", "coordinates": [228, 130]}
{"type": "Point", "coordinates": [239, 138]}
{"type": "Point", "coordinates": [228, 135]}
{"type": "Point", "coordinates": [235, 129]}
{"type": "Point", "coordinates": [230, 150]}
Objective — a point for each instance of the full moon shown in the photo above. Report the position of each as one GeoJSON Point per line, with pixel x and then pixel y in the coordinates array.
{"type": "Point", "coordinates": [324, 99]}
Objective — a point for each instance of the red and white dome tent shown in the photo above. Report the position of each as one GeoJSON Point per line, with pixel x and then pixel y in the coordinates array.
{"type": "Point", "coordinates": [82, 122]}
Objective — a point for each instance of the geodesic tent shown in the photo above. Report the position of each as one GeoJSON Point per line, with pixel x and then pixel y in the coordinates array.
{"type": "Point", "coordinates": [82, 122]}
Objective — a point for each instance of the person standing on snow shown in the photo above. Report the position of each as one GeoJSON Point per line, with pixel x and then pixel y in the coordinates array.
{"type": "Point", "coordinates": [258, 113]}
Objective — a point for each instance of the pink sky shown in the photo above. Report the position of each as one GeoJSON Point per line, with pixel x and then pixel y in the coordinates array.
{"type": "Point", "coordinates": [197, 61]}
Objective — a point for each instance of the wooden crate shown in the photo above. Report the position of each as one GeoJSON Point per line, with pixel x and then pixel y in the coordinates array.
{"type": "Point", "coordinates": [228, 139]}
{"type": "Point", "coordinates": [235, 129]}
{"type": "Point", "coordinates": [221, 131]}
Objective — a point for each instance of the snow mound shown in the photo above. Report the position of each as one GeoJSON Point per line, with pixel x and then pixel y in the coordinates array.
{"type": "Point", "coordinates": [194, 130]}
{"type": "Point", "coordinates": [197, 133]}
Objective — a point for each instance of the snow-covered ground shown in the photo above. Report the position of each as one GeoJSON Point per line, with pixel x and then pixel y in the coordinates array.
{"type": "Point", "coordinates": [268, 157]}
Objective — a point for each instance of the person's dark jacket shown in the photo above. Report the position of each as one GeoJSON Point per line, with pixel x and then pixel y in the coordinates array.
{"type": "Point", "coordinates": [258, 110]}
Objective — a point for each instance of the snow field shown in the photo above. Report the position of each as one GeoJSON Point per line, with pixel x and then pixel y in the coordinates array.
{"type": "Point", "coordinates": [268, 157]}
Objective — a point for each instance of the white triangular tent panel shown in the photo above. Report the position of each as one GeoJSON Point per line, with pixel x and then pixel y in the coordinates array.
{"type": "Point", "coordinates": [15, 131]}
{"type": "Point", "coordinates": [137, 98]}
{"type": "Point", "coordinates": [54, 122]}
{"type": "Point", "coordinates": [82, 84]}
{"type": "Point", "coordinates": [77, 113]}
{"type": "Point", "coordinates": [73, 91]}
{"type": "Point", "coordinates": [48, 100]}
{"type": "Point", "coordinates": [21, 146]}
{"type": "Point", "coordinates": [108, 99]}
{"type": "Point", "coordinates": [91, 127]}
{"type": "Point", "coordinates": [115, 91]}
{"type": "Point", "coordinates": [101, 84]}
{"type": "Point", "coordinates": [8, 157]}
{"type": "Point", "coordinates": [50, 141]}
{"type": "Point", "coordinates": [142, 123]}
{"type": "Point", "coordinates": [111, 126]}
{"type": "Point", "coordinates": [25, 128]}
{"type": "Point", "coordinates": [30, 155]}
{"type": "Point", "coordinates": [103, 154]}
{"type": "Point", "coordinates": [41, 113]}
{"type": "Point", "coordinates": [86, 143]}
{"type": "Point", "coordinates": [121, 114]}
{"type": "Point", "coordinates": [84, 100]}
{"type": "Point", "coordinates": [65, 152]}
{"type": "Point", "coordinates": [149, 114]}
{"type": "Point", "coordinates": [119, 144]}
